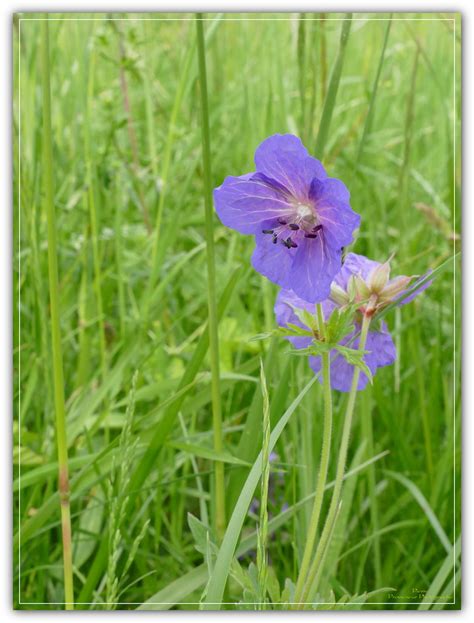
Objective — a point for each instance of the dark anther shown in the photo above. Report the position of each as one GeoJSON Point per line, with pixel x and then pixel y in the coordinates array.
{"type": "Point", "coordinates": [311, 235]}
{"type": "Point", "coordinates": [289, 244]}
{"type": "Point", "coordinates": [282, 221]}
{"type": "Point", "coordinates": [317, 228]}
{"type": "Point", "coordinates": [274, 239]}
{"type": "Point", "coordinates": [294, 226]}
{"type": "Point", "coordinates": [267, 231]}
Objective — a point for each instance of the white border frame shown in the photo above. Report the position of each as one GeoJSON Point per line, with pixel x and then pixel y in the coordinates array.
{"type": "Point", "coordinates": [333, 9]}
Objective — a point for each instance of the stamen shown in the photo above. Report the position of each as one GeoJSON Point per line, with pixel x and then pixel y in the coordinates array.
{"type": "Point", "coordinates": [289, 244]}
{"type": "Point", "coordinates": [314, 232]}
{"type": "Point", "coordinates": [267, 231]}
{"type": "Point", "coordinates": [275, 239]}
{"type": "Point", "coordinates": [294, 226]}
{"type": "Point", "coordinates": [282, 221]}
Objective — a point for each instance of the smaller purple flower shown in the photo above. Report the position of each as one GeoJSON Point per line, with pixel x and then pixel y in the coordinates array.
{"type": "Point", "coordinates": [359, 279]}
{"type": "Point", "coordinates": [299, 216]}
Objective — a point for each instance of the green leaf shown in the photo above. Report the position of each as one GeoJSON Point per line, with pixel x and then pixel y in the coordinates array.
{"type": "Point", "coordinates": [340, 323]}
{"type": "Point", "coordinates": [291, 330]}
{"type": "Point", "coordinates": [306, 318]}
{"type": "Point", "coordinates": [207, 453]}
{"type": "Point", "coordinates": [200, 533]}
{"type": "Point", "coordinates": [355, 358]}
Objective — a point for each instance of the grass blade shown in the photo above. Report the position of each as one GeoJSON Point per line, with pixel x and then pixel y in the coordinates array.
{"type": "Point", "coordinates": [58, 373]}
{"type": "Point", "coordinates": [218, 579]}
{"type": "Point", "coordinates": [425, 507]}
{"type": "Point", "coordinates": [449, 565]}
{"type": "Point", "coordinates": [330, 99]}
{"type": "Point", "coordinates": [373, 95]}
{"type": "Point", "coordinates": [219, 519]}
{"type": "Point", "coordinates": [262, 560]}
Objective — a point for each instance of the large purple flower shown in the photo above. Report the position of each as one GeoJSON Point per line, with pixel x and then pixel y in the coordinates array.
{"type": "Point", "coordinates": [359, 279]}
{"type": "Point", "coordinates": [300, 217]}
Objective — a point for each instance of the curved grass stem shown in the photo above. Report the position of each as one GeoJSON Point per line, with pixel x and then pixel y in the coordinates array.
{"type": "Point", "coordinates": [58, 374]}
{"type": "Point", "coordinates": [211, 284]}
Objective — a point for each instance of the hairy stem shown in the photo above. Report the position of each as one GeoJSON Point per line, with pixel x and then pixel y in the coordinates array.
{"type": "Point", "coordinates": [323, 465]}
{"type": "Point", "coordinates": [58, 374]}
{"type": "Point", "coordinates": [311, 585]}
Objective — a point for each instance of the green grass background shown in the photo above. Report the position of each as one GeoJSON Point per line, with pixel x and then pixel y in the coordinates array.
{"type": "Point", "coordinates": [126, 136]}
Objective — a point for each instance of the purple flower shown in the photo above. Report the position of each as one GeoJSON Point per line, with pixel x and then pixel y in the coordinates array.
{"type": "Point", "coordinates": [359, 279]}
{"type": "Point", "coordinates": [300, 217]}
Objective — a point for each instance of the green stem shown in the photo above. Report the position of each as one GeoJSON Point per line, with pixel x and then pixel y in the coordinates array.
{"type": "Point", "coordinates": [323, 465]}
{"type": "Point", "coordinates": [119, 259]}
{"type": "Point", "coordinates": [211, 284]}
{"type": "Point", "coordinates": [93, 216]}
{"type": "Point", "coordinates": [58, 375]}
{"type": "Point", "coordinates": [311, 585]}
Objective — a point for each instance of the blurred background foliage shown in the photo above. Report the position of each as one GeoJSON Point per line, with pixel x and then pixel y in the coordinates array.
{"type": "Point", "coordinates": [130, 218]}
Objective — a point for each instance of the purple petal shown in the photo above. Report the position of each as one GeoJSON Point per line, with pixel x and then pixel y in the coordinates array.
{"type": "Point", "coordinates": [339, 222]}
{"type": "Point", "coordinates": [284, 158]}
{"type": "Point", "coordinates": [316, 189]}
{"type": "Point", "coordinates": [354, 265]}
{"type": "Point", "coordinates": [284, 313]}
{"type": "Point", "coordinates": [242, 203]}
{"type": "Point", "coordinates": [337, 189]}
{"type": "Point", "coordinates": [331, 201]}
{"type": "Point", "coordinates": [274, 261]}
{"type": "Point", "coordinates": [381, 349]}
{"type": "Point", "coordinates": [416, 291]}
{"type": "Point", "coordinates": [313, 269]}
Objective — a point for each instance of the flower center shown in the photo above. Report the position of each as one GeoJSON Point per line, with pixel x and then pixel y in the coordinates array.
{"type": "Point", "coordinates": [305, 212]}
{"type": "Point", "coordinates": [302, 223]}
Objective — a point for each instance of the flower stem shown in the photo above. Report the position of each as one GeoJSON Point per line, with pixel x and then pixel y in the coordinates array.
{"type": "Point", "coordinates": [311, 585]}
{"type": "Point", "coordinates": [58, 374]}
{"type": "Point", "coordinates": [323, 465]}
{"type": "Point", "coordinates": [211, 284]}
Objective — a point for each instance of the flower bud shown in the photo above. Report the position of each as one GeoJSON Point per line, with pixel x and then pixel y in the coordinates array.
{"type": "Point", "coordinates": [378, 278]}
{"type": "Point", "coordinates": [351, 289]}
{"type": "Point", "coordinates": [338, 295]}
{"type": "Point", "coordinates": [394, 288]}
{"type": "Point", "coordinates": [361, 288]}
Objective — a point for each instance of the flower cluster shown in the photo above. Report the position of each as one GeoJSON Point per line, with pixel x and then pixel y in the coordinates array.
{"type": "Point", "coordinates": [301, 220]}
{"type": "Point", "coordinates": [365, 283]}
{"type": "Point", "coordinates": [300, 217]}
